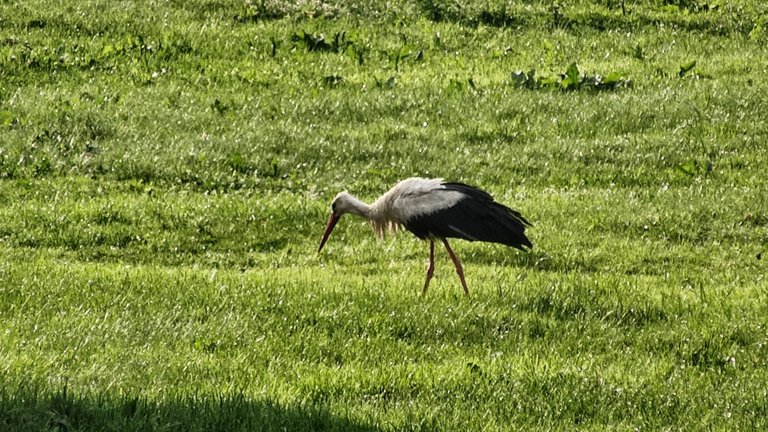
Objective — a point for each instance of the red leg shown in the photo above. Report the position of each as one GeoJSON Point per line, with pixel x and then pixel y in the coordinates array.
{"type": "Point", "coordinates": [431, 268]}
{"type": "Point", "coordinates": [459, 269]}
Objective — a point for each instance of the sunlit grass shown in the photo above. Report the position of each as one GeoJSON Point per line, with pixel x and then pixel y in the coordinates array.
{"type": "Point", "coordinates": [166, 170]}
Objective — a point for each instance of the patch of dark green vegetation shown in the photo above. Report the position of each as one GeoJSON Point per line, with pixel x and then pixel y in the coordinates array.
{"type": "Point", "coordinates": [570, 80]}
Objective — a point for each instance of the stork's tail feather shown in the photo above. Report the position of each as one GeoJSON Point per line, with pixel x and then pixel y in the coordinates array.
{"type": "Point", "coordinates": [512, 224]}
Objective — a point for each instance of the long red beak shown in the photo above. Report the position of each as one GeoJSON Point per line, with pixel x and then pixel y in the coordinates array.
{"type": "Point", "coordinates": [331, 223]}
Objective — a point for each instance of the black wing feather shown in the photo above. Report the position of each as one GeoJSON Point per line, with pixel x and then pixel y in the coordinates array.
{"type": "Point", "coordinates": [476, 217]}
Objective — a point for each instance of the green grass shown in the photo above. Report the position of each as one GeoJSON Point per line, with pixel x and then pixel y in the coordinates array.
{"type": "Point", "coordinates": [166, 170]}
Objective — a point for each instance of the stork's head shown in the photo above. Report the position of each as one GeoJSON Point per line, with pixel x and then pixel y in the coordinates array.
{"type": "Point", "coordinates": [342, 204]}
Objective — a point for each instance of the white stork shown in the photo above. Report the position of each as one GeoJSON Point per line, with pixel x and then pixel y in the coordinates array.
{"type": "Point", "coordinates": [433, 209]}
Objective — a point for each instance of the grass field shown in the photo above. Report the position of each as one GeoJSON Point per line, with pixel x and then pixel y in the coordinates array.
{"type": "Point", "coordinates": [166, 170]}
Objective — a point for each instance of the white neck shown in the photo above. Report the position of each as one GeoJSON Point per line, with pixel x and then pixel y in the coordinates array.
{"type": "Point", "coordinates": [352, 205]}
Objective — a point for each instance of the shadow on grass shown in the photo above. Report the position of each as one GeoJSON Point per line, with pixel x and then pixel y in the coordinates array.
{"type": "Point", "coordinates": [534, 259]}
{"type": "Point", "coordinates": [32, 410]}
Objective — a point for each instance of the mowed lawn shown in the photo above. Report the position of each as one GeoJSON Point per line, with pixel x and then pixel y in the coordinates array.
{"type": "Point", "coordinates": [167, 167]}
